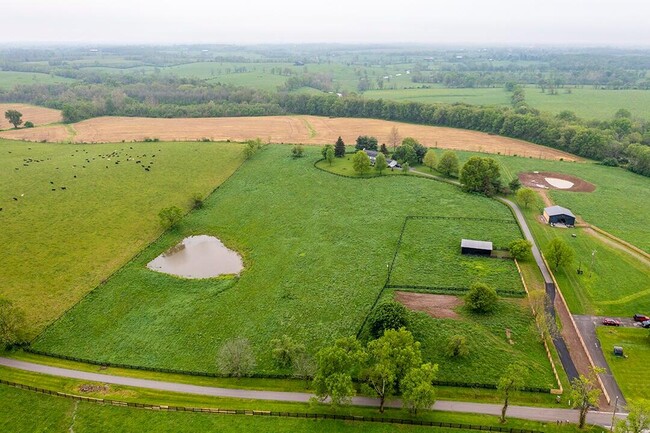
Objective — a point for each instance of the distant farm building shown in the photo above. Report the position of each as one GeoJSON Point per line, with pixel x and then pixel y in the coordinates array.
{"type": "Point", "coordinates": [559, 215]}
{"type": "Point", "coordinates": [372, 154]}
{"type": "Point", "coordinates": [477, 248]}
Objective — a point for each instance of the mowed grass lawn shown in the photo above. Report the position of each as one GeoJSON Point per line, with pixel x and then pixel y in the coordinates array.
{"type": "Point", "coordinates": [429, 254]}
{"type": "Point", "coordinates": [26, 411]}
{"type": "Point", "coordinates": [631, 373]}
{"type": "Point", "coordinates": [315, 249]}
{"type": "Point", "coordinates": [620, 204]}
{"type": "Point", "coordinates": [58, 244]}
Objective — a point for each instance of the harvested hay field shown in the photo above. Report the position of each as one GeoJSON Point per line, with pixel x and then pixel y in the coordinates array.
{"type": "Point", "coordinates": [436, 306]}
{"type": "Point", "coordinates": [548, 180]}
{"type": "Point", "coordinates": [285, 129]}
{"type": "Point", "coordinates": [37, 115]}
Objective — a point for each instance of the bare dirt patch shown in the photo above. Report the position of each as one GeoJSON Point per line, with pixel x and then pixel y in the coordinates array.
{"type": "Point", "coordinates": [438, 306]}
{"type": "Point", "coordinates": [292, 129]}
{"type": "Point", "coordinates": [538, 180]}
{"type": "Point", "coordinates": [32, 113]}
{"type": "Point", "coordinates": [88, 388]}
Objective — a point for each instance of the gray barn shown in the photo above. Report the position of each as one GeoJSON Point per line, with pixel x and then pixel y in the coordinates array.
{"type": "Point", "coordinates": [559, 215]}
{"type": "Point", "coordinates": [479, 248]}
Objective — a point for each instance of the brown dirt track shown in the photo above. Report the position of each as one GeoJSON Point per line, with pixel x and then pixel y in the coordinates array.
{"type": "Point", "coordinates": [283, 129]}
{"type": "Point", "coordinates": [438, 306]}
{"type": "Point", "coordinates": [533, 180]}
{"type": "Point", "coordinates": [37, 115]}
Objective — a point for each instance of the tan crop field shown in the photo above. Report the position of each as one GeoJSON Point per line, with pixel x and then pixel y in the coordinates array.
{"type": "Point", "coordinates": [32, 113]}
{"type": "Point", "coordinates": [279, 129]}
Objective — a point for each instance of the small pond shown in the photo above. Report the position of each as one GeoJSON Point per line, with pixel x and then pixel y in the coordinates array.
{"type": "Point", "coordinates": [198, 257]}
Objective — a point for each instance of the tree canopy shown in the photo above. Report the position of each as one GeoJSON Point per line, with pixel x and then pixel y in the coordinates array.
{"type": "Point", "coordinates": [14, 117]}
{"type": "Point", "coordinates": [481, 175]}
{"type": "Point", "coordinates": [361, 162]}
{"type": "Point", "coordinates": [448, 164]}
{"type": "Point", "coordinates": [559, 253]}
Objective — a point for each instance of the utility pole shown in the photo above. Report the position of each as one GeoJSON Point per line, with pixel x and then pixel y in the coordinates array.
{"type": "Point", "coordinates": [611, 428]}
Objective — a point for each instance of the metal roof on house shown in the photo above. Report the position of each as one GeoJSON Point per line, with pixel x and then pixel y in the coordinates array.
{"type": "Point", "coordinates": [477, 245]}
{"type": "Point", "coordinates": [558, 210]}
{"type": "Point", "coordinates": [371, 153]}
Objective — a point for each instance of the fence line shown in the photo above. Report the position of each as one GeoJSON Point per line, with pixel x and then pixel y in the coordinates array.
{"type": "Point", "coordinates": [249, 412]}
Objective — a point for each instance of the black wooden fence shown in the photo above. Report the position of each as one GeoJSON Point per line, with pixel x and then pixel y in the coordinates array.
{"type": "Point", "coordinates": [249, 412]}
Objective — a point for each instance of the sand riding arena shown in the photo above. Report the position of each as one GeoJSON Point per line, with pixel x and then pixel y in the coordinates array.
{"type": "Point", "coordinates": [558, 181]}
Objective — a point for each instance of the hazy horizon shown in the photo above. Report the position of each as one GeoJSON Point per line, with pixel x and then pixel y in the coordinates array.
{"type": "Point", "coordinates": [579, 23]}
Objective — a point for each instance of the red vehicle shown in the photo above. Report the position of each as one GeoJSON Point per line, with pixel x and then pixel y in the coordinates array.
{"type": "Point", "coordinates": [641, 318]}
{"type": "Point", "coordinates": [611, 322]}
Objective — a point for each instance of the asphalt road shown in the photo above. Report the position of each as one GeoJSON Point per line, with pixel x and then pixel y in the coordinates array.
{"type": "Point", "coordinates": [558, 341]}
{"type": "Point", "coordinates": [524, 412]}
{"type": "Point", "coordinates": [587, 327]}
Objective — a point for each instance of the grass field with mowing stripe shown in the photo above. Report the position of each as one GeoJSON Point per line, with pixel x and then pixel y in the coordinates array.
{"type": "Point", "coordinates": [633, 372]}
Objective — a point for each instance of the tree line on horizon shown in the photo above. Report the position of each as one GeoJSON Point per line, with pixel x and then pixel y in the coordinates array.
{"type": "Point", "coordinates": [622, 140]}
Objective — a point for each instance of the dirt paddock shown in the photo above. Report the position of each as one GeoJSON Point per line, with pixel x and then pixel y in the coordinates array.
{"type": "Point", "coordinates": [538, 180]}
{"type": "Point", "coordinates": [438, 306]}
{"type": "Point", "coordinates": [281, 129]}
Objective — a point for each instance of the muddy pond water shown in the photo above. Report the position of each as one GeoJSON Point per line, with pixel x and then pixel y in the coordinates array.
{"type": "Point", "coordinates": [198, 257]}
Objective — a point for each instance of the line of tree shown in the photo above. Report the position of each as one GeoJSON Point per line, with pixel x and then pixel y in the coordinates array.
{"type": "Point", "coordinates": [620, 141]}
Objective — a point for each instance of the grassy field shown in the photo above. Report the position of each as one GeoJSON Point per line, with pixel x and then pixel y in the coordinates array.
{"type": "Point", "coordinates": [315, 259]}
{"type": "Point", "coordinates": [631, 373]}
{"type": "Point", "coordinates": [620, 204]}
{"type": "Point", "coordinates": [616, 285]}
{"type": "Point", "coordinates": [429, 254]}
{"type": "Point", "coordinates": [9, 79]}
{"type": "Point", "coordinates": [60, 243]}
{"type": "Point", "coordinates": [28, 411]}
{"type": "Point", "coordinates": [588, 103]}
{"type": "Point", "coordinates": [490, 350]}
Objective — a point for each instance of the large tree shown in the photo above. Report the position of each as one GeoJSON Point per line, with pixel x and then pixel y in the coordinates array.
{"type": "Point", "coordinates": [339, 148]}
{"type": "Point", "coordinates": [170, 216]}
{"type": "Point", "coordinates": [430, 159]}
{"type": "Point", "coordinates": [329, 155]}
{"type": "Point", "coordinates": [366, 142]}
{"type": "Point", "coordinates": [417, 387]}
{"type": "Point", "coordinates": [481, 298]}
{"type": "Point", "coordinates": [481, 175]}
{"type": "Point", "coordinates": [12, 324]}
{"type": "Point", "coordinates": [511, 382]}
{"type": "Point", "coordinates": [520, 249]}
{"type": "Point", "coordinates": [448, 164]}
{"type": "Point", "coordinates": [14, 117]}
{"type": "Point", "coordinates": [336, 366]}
{"type": "Point", "coordinates": [526, 197]}
{"type": "Point", "coordinates": [387, 315]}
{"type": "Point", "coordinates": [585, 393]}
{"type": "Point", "coordinates": [361, 162]}
{"type": "Point", "coordinates": [637, 420]}
{"type": "Point", "coordinates": [380, 163]}
{"type": "Point", "coordinates": [559, 253]}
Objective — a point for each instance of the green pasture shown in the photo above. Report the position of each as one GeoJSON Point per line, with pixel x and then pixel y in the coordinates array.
{"type": "Point", "coordinates": [490, 350]}
{"type": "Point", "coordinates": [585, 102]}
{"type": "Point", "coordinates": [613, 282]}
{"type": "Point", "coordinates": [632, 373]}
{"type": "Point", "coordinates": [619, 205]}
{"type": "Point", "coordinates": [28, 411]}
{"type": "Point", "coordinates": [10, 79]}
{"type": "Point", "coordinates": [429, 254]}
{"type": "Point", "coordinates": [58, 244]}
{"type": "Point", "coordinates": [315, 248]}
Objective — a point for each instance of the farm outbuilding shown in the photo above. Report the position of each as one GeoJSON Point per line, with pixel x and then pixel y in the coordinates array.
{"type": "Point", "coordinates": [559, 215]}
{"type": "Point", "coordinates": [479, 248]}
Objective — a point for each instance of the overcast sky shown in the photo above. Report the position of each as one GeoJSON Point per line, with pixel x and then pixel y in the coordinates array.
{"type": "Point", "coordinates": [514, 22]}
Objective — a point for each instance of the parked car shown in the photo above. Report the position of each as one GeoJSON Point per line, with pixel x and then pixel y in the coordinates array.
{"type": "Point", "coordinates": [641, 318]}
{"type": "Point", "coordinates": [646, 324]}
{"type": "Point", "coordinates": [611, 322]}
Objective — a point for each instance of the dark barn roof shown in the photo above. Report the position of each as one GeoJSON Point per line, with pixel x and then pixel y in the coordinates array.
{"type": "Point", "coordinates": [558, 210]}
{"type": "Point", "coordinates": [477, 245]}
